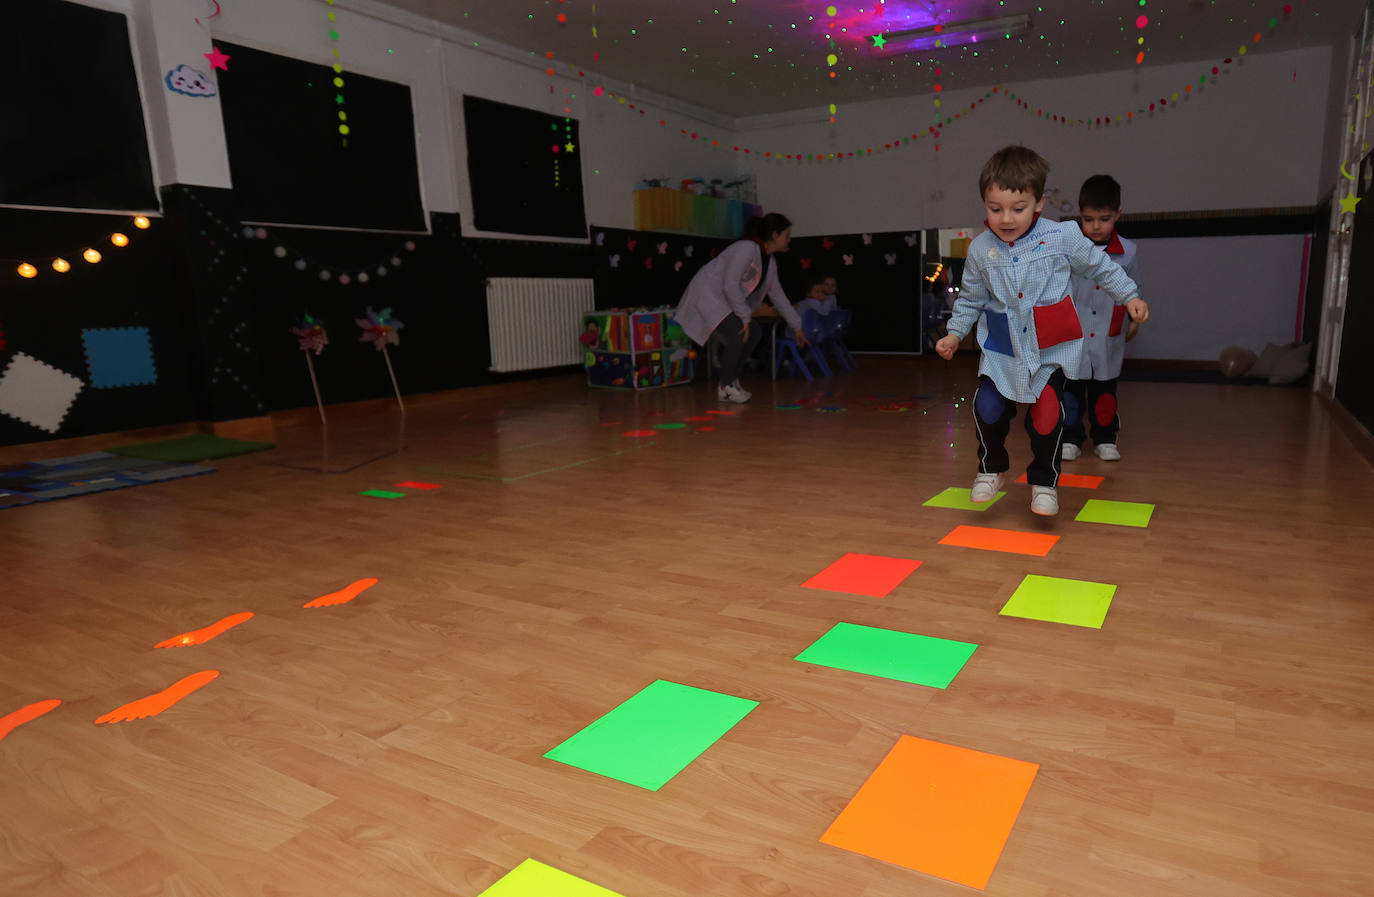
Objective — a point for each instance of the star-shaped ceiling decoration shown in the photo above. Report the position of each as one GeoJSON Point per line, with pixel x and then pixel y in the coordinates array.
{"type": "Point", "coordinates": [879, 41]}
{"type": "Point", "coordinates": [217, 59]}
{"type": "Point", "coordinates": [1348, 203]}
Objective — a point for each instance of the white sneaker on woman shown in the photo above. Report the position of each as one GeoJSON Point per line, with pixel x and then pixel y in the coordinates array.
{"type": "Point", "coordinates": [729, 392]}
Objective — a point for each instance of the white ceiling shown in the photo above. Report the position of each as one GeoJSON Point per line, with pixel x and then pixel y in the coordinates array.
{"type": "Point", "coordinates": [754, 57]}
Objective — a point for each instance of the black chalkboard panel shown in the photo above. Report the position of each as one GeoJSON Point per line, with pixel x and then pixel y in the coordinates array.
{"type": "Point", "coordinates": [290, 164]}
{"type": "Point", "coordinates": [73, 134]}
{"type": "Point", "coordinates": [525, 168]}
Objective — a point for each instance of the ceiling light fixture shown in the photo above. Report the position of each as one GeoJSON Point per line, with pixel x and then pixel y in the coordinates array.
{"type": "Point", "coordinates": [955, 34]}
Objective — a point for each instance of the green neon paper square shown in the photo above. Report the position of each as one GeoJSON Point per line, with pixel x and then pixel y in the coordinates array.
{"type": "Point", "coordinates": [654, 735]}
{"type": "Point", "coordinates": [957, 499]}
{"type": "Point", "coordinates": [534, 879]}
{"type": "Point", "coordinates": [1076, 602]}
{"type": "Point", "coordinates": [1117, 513]}
{"type": "Point", "coordinates": [904, 656]}
{"type": "Point", "coordinates": [382, 493]}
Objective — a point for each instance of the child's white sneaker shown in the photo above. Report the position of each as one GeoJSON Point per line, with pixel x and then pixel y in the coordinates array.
{"type": "Point", "coordinates": [985, 487]}
{"type": "Point", "coordinates": [1070, 452]}
{"type": "Point", "coordinates": [729, 392]}
{"type": "Point", "coordinates": [1045, 500]}
{"type": "Point", "coordinates": [747, 394]}
{"type": "Point", "coordinates": [1108, 452]}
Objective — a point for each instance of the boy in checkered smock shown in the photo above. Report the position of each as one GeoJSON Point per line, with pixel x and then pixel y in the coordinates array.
{"type": "Point", "coordinates": [1016, 290]}
{"type": "Point", "coordinates": [1104, 347]}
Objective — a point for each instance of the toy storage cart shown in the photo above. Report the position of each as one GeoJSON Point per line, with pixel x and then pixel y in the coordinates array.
{"type": "Point", "coordinates": [635, 349]}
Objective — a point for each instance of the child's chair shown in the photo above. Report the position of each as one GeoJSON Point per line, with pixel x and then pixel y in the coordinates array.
{"type": "Point", "coordinates": [836, 328]}
{"type": "Point", "coordinates": [814, 329]}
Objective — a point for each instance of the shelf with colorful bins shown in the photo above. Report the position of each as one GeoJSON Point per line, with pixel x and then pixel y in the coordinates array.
{"type": "Point", "coordinates": [636, 349]}
{"type": "Point", "coordinates": [682, 211]}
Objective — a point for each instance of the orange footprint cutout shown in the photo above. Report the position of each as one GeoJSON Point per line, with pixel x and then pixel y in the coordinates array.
{"type": "Point", "coordinates": [344, 595]}
{"type": "Point", "coordinates": [204, 634]}
{"type": "Point", "coordinates": [156, 703]}
{"type": "Point", "coordinates": [11, 721]}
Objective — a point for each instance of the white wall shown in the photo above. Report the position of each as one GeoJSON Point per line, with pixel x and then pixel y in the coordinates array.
{"type": "Point", "coordinates": [1207, 294]}
{"type": "Point", "coordinates": [439, 65]}
{"type": "Point", "coordinates": [1252, 140]}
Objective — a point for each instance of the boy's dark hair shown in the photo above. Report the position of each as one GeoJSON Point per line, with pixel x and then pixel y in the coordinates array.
{"type": "Point", "coordinates": [1101, 191]}
{"type": "Point", "coordinates": [814, 280]}
{"type": "Point", "coordinates": [1015, 168]}
{"type": "Point", "coordinates": [764, 228]}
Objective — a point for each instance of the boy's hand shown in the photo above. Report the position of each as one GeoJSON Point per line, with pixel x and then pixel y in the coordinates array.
{"type": "Point", "coordinates": [1138, 310]}
{"type": "Point", "coordinates": [947, 346]}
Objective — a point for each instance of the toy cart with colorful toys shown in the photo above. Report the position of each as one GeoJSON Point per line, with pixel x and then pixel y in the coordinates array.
{"type": "Point", "coordinates": [635, 349]}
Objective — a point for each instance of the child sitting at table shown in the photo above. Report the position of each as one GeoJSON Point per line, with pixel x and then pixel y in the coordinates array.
{"type": "Point", "coordinates": [817, 298]}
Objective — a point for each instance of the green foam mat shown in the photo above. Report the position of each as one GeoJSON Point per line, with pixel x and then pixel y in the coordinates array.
{"type": "Point", "coordinates": [184, 450]}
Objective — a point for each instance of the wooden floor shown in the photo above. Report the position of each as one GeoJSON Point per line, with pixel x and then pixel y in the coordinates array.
{"type": "Point", "coordinates": [1214, 738]}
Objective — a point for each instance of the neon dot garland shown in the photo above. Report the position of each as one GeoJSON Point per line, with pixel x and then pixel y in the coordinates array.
{"type": "Point", "coordinates": [61, 263]}
{"type": "Point", "coordinates": [934, 130]}
{"type": "Point", "coordinates": [1160, 105]}
{"type": "Point", "coordinates": [337, 66]}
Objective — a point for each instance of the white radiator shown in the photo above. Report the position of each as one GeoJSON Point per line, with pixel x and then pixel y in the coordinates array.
{"type": "Point", "coordinates": [534, 322]}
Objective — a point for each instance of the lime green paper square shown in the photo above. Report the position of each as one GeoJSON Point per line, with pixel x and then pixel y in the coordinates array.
{"type": "Point", "coordinates": [904, 656]}
{"type": "Point", "coordinates": [533, 879]}
{"type": "Point", "coordinates": [654, 735]}
{"type": "Point", "coordinates": [1076, 602]}
{"type": "Point", "coordinates": [382, 493]}
{"type": "Point", "coordinates": [958, 500]}
{"type": "Point", "coordinates": [1117, 513]}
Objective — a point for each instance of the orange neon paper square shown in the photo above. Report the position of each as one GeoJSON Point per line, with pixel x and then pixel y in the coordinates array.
{"type": "Point", "coordinates": [863, 574]}
{"type": "Point", "coordinates": [1008, 540]}
{"type": "Point", "coordinates": [939, 809]}
{"type": "Point", "coordinates": [1073, 480]}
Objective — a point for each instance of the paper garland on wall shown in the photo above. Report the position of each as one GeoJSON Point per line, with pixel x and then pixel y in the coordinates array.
{"type": "Point", "coordinates": [1163, 103]}
{"type": "Point", "coordinates": [934, 130]}
{"type": "Point", "coordinates": [350, 274]}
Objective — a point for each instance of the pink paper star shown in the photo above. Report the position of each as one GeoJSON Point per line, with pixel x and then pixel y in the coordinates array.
{"type": "Point", "coordinates": [217, 59]}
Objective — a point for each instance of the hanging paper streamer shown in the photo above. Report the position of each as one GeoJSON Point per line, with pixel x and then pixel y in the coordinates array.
{"type": "Point", "coordinates": [380, 329]}
{"type": "Point", "coordinates": [1142, 22]}
{"type": "Point", "coordinates": [215, 14]}
{"type": "Point", "coordinates": [338, 72]}
{"type": "Point", "coordinates": [62, 263]}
